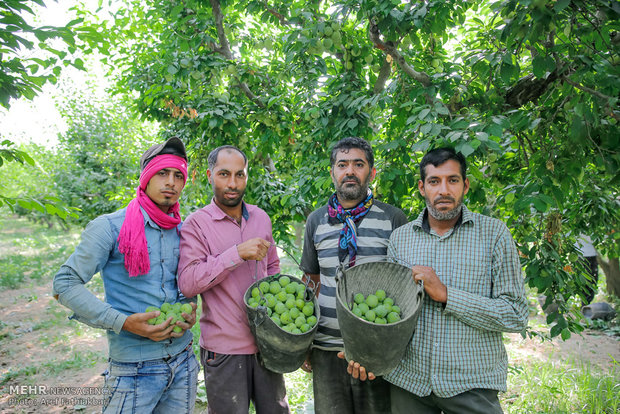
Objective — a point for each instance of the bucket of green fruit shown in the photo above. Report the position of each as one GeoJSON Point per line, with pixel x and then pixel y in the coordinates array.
{"type": "Point", "coordinates": [283, 314]}
{"type": "Point", "coordinates": [377, 305]}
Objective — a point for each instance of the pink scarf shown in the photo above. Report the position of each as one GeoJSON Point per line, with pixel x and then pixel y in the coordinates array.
{"type": "Point", "coordinates": [131, 239]}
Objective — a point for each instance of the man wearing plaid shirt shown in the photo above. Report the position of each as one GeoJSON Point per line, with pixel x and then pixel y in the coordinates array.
{"type": "Point", "coordinates": [456, 361]}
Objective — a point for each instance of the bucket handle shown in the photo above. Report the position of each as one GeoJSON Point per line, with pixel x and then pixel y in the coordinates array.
{"type": "Point", "coordinates": [340, 274]}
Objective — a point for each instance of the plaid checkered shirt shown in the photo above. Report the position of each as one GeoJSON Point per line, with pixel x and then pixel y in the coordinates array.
{"type": "Point", "coordinates": [459, 347]}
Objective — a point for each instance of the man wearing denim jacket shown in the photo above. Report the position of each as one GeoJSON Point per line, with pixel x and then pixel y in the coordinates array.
{"type": "Point", "coordinates": [136, 251]}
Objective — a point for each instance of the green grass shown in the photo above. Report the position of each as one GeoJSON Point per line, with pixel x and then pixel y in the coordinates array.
{"type": "Point", "coordinates": [562, 387]}
{"type": "Point", "coordinates": [34, 255]}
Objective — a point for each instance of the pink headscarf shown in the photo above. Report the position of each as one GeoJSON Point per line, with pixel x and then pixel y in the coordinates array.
{"type": "Point", "coordinates": [131, 239]}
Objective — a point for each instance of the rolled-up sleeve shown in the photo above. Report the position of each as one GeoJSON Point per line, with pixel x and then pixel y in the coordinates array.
{"type": "Point", "coordinates": [89, 258]}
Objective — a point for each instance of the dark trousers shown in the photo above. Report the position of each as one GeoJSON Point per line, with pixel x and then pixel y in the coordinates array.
{"type": "Point", "coordinates": [232, 381]}
{"type": "Point", "coordinates": [335, 391]}
{"type": "Point", "coordinates": [476, 401]}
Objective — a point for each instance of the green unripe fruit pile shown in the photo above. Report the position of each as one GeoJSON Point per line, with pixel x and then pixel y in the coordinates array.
{"type": "Point", "coordinates": [376, 307]}
{"type": "Point", "coordinates": [169, 310]}
{"type": "Point", "coordinates": [286, 304]}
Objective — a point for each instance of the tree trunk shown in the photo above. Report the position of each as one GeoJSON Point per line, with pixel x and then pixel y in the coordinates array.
{"type": "Point", "coordinates": [611, 267]}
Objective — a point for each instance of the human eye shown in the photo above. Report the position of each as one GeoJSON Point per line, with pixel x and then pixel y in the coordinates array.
{"type": "Point", "coordinates": [178, 176]}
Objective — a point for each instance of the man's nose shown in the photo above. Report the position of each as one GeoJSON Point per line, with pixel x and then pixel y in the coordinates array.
{"type": "Point", "coordinates": [232, 182]}
{"type": "Point", "coordinates": [170, 180]}
{"type": "Point", "coordinates": [443, 188]}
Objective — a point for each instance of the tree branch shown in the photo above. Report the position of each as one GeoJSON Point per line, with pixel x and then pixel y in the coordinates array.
{"type": "Point", "coordinates": [275, 13]}
{"type": "Point", "coordinates": [586, 89]}
{"type": "Point", "coordinates": [224, 50]}
{"type": "Point", "coordinates": [390, 49]}
{"type": "Point", "coordinates": [384, 75]}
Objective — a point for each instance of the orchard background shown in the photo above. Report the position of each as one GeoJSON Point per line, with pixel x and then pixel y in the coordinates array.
{"type": "Point", "coordinates": [527, 90]}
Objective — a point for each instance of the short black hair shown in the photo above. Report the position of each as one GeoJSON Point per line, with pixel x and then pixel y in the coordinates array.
{"type": "Point", "coordinates": [438, 156]}
{"type": "Point", "coordinates": [346, 144]}
{"type": "Point", "coordinates": [212, 158]}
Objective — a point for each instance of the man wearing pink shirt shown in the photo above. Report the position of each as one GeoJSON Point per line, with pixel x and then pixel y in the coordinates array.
{"type": "Point", "coordinates": [225, 247]}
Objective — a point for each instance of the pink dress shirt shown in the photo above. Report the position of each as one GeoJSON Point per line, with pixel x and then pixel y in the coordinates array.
{"type": "Point", "coordinates": [210, 266]}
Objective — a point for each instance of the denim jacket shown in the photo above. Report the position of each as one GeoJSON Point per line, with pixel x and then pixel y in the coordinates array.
{"type": "Point", "coordinates": [124, 295]}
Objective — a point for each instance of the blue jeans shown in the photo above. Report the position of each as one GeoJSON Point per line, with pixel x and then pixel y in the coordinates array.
{"type": "Point", "coordinates": [158, 386]}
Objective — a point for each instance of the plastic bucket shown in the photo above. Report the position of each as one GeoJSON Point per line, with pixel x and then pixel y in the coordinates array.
{"type": "Point", "coordinates": [280, 351]}
{"type": "Point", "coordinates": [378, 348]}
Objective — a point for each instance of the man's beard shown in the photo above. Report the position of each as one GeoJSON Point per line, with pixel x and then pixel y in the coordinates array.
{"type": "Point", "coordinates": [353, 193]}
{"type": "Point", "coordinates": [444, 215]}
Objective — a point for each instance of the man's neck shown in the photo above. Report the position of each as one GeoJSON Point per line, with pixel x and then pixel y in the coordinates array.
{"type": "Point", "coordinates": [442, 226]}
{"type": "Point", "coordinates": [348, 204]}
{"type": "Point", "coordinates": [234, 212]}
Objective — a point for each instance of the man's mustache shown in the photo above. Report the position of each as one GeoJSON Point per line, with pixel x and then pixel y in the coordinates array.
{"type": "Point", "coordinates": [351, 178]}
{"type": "Point", "coordinates": [445, 198]}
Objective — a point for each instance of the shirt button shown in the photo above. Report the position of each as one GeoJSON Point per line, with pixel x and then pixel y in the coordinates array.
{"type": "Point", "coordinates": [162, 260]}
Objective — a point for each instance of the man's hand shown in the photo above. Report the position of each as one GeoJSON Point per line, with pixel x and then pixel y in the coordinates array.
{"type": "Point", "coordinates": [253, 249]}
{"type": "Point", "coordinates": [190, 320]}
{"type": "Point", "coordinates": [432, 285]}
{"type": "Point", "coordinates": [307, 366]}
{"type": "Point", "coordinates": [356, 370]}
{"type": "Point", "coordinates": [139, 325]}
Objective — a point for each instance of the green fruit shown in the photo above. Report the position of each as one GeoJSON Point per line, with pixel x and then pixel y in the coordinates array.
{"type": "Point", "coordinates": [370, 315]}
{"type": "Point", "coordinates": [357, 312]}
{"type": "Point", "coordinates": [393, 317]}
{"type": "Point", "coordinates": [152, 321]}
{"type": "Point", "coordinates": [359, 298]}
{"type": "Point", "coordinates": [364, 307]}
{"type": "Point", "coordinates": [304, 328]}
{"type": "Point", "coordinates": [296, 331]}
{"type": "Point", "coordinates": [300, 303]}
{"type": "Point", "coordinates": [252, 301]}
{"type": "Point", "coordinates": [328, 43]}
{"type": "Point", "coordinates": [388, 301]}
{"type": "Point", "coordinates": [295, 313]}
{"type": "Point", "coordinates": [308, 309]}
{"type": "Point", "coordinates": [160, 319]}
{"type": "Point", "coordinates": [166, 307]}
{"type": "Point", "coordinates": [276, 318]}
{"type": "Point", "coordinates": [256, 293]}
{"type": "Point", "coordinates": [187, 308]}
{"type": "Point", "coordinates": [300, 320]}
{"type": "Point", "coordinates": [271, 301]}
{"type": "Point", "coordinates": [396, 309]}
{"type": "Point", "coordinates": [264, 286]}
{"type": "Point", "coordinates": [284, 281]}
{"type": "Point", "coordinates": [177, 329]}
{"type": "Point", "coordinates": [328, 31]}
{"type": "Point", "coordinates": [280, 308]}
{"type": "Point", "coordinates": [290, 303]}
{"type": "Point", "coordinates": [274, 287]}
{"type": "Point", "coordinates": [311, 320]}
{"type": "Point", "coordinates": [381, 311]}
{"type": "Point", "coordinates": [380, 294]}
{"type": "Point", "coordinates": [288, 328]}
{"type": "Point", "coordinates": [151, 309]}
{"type": "Point", "coordinates": [368, 59]}
{"type": "Point", "coordinates": [290, 296]}
{"type": "Point", "coordinates": [285, 318]}
{"type": "Point", "coordinates": [349, 65]}
{"type": "Point", "coordinates": [380, 321]}
{"type": "Point", "coordinates": [291, 289]}
{"type": "Point", "coordinates": [177, 307]}
{"type": "Point", "coordinates": [282, 296]}
{"type": "Point", "coordinates": [372, 301]}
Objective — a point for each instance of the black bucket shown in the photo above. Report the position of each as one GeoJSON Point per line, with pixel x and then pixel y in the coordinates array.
{"type": "Point", "coordinates": [378, 348]}
{"type": "Point", "coordinates": [280, 351]}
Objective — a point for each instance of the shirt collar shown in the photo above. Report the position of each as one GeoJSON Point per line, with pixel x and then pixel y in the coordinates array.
{"type": "Point", "coordinates": [422, 220]}
{"type": "Point", "coordinates": [218, 213]}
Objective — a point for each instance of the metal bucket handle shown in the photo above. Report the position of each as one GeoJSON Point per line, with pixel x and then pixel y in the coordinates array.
{"type": "Point", "coordinates": [340, 270]}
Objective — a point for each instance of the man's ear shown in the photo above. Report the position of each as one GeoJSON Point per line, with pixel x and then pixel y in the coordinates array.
{"type": "Point", "coordinates": [421, 188]}
{"type": "Point", "coordinates": [373, 173]}
{"type": "Point", "coordinates": [466, 186]}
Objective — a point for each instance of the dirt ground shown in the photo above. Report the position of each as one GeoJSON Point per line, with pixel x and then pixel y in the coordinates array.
{"type": "Point", "coordinates": [34, 332]}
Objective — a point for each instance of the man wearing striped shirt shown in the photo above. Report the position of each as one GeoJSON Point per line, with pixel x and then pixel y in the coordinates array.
{"type": "Point", "coordinates": [352, 227]}
{"type": "Point", "coordinates": [456, 361]}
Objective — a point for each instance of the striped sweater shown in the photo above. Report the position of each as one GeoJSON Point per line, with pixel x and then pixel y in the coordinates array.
{"type": "Point", "coordinates": [320, 256]}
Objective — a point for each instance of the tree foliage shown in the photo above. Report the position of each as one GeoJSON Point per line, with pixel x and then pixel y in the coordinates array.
{"type": "Point", "coordinates": [30, 57]}
{"type": "Point", "coordinates": [527, 90]}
